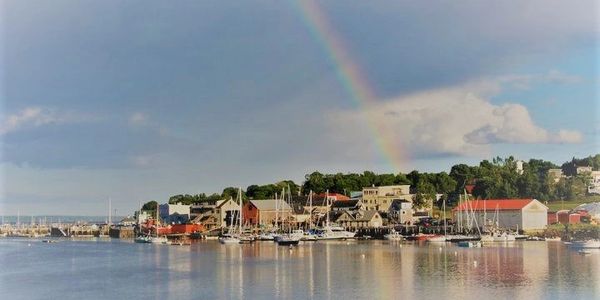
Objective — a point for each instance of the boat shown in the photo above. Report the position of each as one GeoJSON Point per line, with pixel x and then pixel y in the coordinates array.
{"type": "Point", "coordinates": [335, 233]}
{"type": "Point", "coordinates": [288, 239]}
{"type": "Point", "coordinates": [441, 238]}
{"type": "Point", "coordinates": [308, 237]}
{"type": "Point", "coordinates": [49, 241]}
{"type": "Point", "coordinates": [229, 239]}
{"type": "Point", "coordinates": [457, 238]}
{"type": "Point", "coordinates": [292, 237]}
{"type": "Point", "coordinates": [266, 236]}
{"type": "Point", "coordinates": [585, 252]}
{"type": "Point", "coordinates": [330, 231]}
{"type": "Point", "coordinates": [553, 239]}
{"type": "Point", "coordinates": [246, 239]}
{"type": "Point", "coordinates": [162, 240]}
{"type": "Point", "coordinates": [589, 244]}
{"type": "Point", "coordinates": [394, 236]}
{"type": "Point", "coordinates": [469, 244]}
{"type": "Point", "coordinates": [420, 237]}
{"type": "Point", "coordinates": [437, 239]}
{"type": "Point", "coordinates": [503, 237]}
{"type": "Point", "coordinates": [143, 239]}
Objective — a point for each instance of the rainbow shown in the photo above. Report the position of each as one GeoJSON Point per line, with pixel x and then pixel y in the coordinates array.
{"type": "Point", "coordinates": [351, 77]}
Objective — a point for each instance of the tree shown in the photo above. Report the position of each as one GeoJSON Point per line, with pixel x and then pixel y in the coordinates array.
{"type": "Point", "coordinates": [425, 194]}
{"type": "Point", "coordinates": [150, 206]}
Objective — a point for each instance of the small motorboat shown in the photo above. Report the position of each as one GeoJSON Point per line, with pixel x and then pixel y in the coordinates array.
{"type": "Point", "coordinates": [394, 236]}
{"type": "Point", "coordinates": [288, 239]}
{"type": "Point", "coordinates": [589, 244]}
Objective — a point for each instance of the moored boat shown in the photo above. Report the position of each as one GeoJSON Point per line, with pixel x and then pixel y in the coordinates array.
{"type": "Point", "coordinates": [394, 236]}
{"type": "Point", "coordinates": [469, 244]}
{"type": "Point", "coordinates": [288, 239]}
{"type": "Point", "coordinates": [228, 239]}
{"type": "Point", "coordinates": [589, 244]}
{"type": "Point", "coordinates": [437, 239]}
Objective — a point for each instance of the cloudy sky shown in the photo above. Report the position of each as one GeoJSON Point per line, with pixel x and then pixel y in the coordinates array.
{"type": "Point", "coordinates": [140, 100]}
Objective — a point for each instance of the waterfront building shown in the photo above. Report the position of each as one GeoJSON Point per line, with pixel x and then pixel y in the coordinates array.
{"type": "Point", "coordinates": [214, 214]}
{"type": "Point", "coordinates": [262, 212]}
{"type": "Point", "coordinates": [523, 214]}
{"type": "Point", "coordinates": [400, 212]}
{"type": "Point", "coordinates": [380, 198]}
{"type": "Point", "coordinates": [356, 219]}
{"type": "Point", "coordinates": [174, 213]}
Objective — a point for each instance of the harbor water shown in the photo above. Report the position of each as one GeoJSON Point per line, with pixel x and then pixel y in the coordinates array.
{"type": "Point", "coordinates": [118, 269]}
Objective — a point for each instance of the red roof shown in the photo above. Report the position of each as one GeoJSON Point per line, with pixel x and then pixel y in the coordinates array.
{"type": "Point", "coordinates": [492, 204]}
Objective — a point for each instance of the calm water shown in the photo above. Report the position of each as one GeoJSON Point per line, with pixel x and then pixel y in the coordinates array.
{"type": "Point", "coordinates": [116, 269]}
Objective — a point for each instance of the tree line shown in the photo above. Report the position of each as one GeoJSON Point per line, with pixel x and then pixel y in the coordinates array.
{"type": "Point", "coordinates": [497, 178]}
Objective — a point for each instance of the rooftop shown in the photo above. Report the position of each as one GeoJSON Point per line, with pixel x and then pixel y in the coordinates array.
{"type": "Point", "coordinates": [493, 204]}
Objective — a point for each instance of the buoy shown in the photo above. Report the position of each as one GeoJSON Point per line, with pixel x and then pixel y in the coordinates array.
{"type": "Point", "coordinates": [363, 256]}
{"type": "Point", "coordinates": [475, 263]}
{"type": "Point", "coordinates": [455, 253]}
{"type": "Point", "coordinates": [28, 245]}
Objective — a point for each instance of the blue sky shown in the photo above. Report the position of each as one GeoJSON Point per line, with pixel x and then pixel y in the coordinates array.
{"type": "Point", "coordinates": [140, 100]}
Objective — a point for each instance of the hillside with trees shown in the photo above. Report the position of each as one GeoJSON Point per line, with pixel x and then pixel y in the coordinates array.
{"type": "Point", "coordinates": [491, 179]}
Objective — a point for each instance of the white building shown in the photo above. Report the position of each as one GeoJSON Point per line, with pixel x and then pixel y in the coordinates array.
{"type": "Point", "coordinates": [381, 197]}
{"type": "Point", "coordinates": [594, 187]}
{"type": "Point", "coordinates": [512, 214]}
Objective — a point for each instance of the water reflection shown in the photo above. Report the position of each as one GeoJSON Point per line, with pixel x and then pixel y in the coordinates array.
{"type": "Point", "coordinates": [316, 270]}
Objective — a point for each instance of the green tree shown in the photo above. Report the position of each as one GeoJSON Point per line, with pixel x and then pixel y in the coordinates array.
{"type": "Point", "coordinates": [150, 206]}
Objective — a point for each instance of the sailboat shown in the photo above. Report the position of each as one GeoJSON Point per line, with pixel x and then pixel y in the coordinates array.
{"type": "Point", "coordinates": [309, 235]}
{"type": "Point", "coordinates": [440, 238]}
{"type": "Point", "coordinates": [158, 239]}
{"type": "Point", "coordinates": [288, 238]}
{"type": "Point", "coordinates": [331, 232]}
{"type": "Point", "coordinates": [233, 237]}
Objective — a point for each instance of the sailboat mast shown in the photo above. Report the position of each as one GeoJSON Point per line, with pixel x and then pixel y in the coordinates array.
{"type": "Point", "coordinates": [109, 212]}
{"type": "Point", "coordinates": [240, 207]}
{"type": "Point", "coordinates": [444, 209]}
{"type": "Point", "coordinates": [276, 211]}
{"type": "Point", "coordinates": [327, 199]}
{"type": "Point", "coordinates": [310, 210]}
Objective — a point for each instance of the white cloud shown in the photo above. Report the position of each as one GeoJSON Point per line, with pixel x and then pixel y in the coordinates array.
{"type": "Point", "coordinates": [36, 116]}
{"type": "Point", "coordinates": [452, 121]}
{"type": "Point", "coordinates": [138, 119]}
